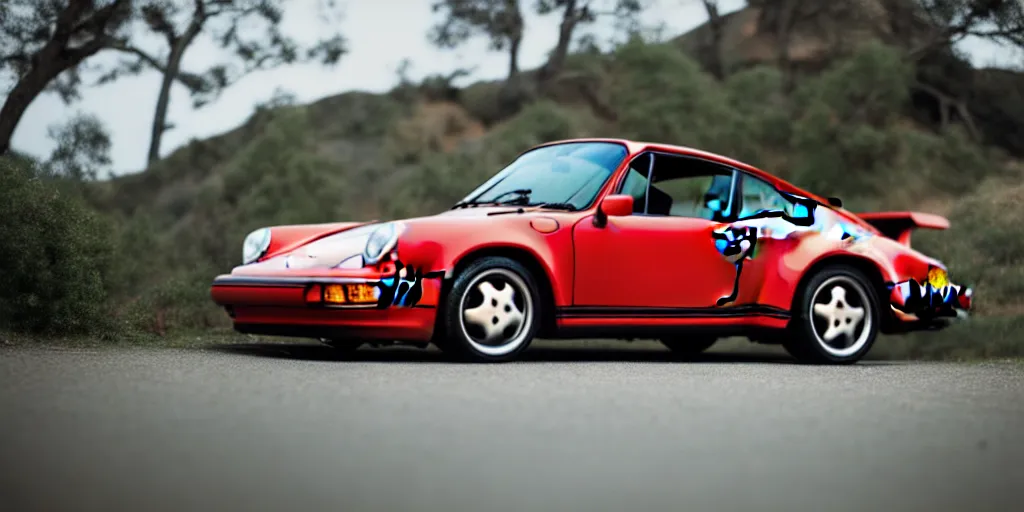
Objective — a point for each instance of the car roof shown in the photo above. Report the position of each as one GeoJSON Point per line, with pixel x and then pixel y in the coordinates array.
{"type": "Point", "coordinates": [637, 147]}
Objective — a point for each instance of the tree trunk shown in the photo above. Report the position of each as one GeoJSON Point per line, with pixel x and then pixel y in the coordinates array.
{"type": "Point", "coordinates": [47, 63]}
{"type": "Point", "coordinates": [170, 74]}
{"type": "Point", "coordinates": [30, 86]}
{"type": "Point", "coordinates": [783, 33]}
{"type": "Point", "coordinates": [714, 47]}
{"type": "Point", "coordinates": [557, 60]}
{"type": "Point", "coordinates": [513, 58]}
{"type": "Point", "coordinates": [162, 102]}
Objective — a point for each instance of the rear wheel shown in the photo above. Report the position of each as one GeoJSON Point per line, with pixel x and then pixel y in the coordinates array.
{"type": "Point", "coordinates": [491, 312]}
{"type": "Point", "coordinates": [836, 318]}
{"type": "Point", "coordinates": [688, 347]}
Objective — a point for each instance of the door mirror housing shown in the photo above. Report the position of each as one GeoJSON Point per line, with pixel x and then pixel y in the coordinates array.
{"type": "Point", "coordinates": [615, 205]}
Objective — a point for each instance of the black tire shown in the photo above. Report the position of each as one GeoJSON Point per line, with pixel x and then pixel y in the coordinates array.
{"type": "Point", "coordinates": [689, 347]}
{"type": "Point", "coordinates": [833, 334]}
{"type": "Point", "coordinates": [514, 315]}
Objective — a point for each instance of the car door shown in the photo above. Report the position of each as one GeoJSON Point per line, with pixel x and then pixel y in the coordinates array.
{"type": "Point", "coordinates": [664, 255]}
{"type": "Point", "coordinates": [758, 205]}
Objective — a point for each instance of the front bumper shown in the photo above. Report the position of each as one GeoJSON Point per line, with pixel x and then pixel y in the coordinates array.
{"type": "Point", "coordinates": [293, 306]}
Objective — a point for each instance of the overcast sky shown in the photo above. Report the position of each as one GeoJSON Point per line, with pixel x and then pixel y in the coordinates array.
{"type": "Point", "coordinates": [381, 34]}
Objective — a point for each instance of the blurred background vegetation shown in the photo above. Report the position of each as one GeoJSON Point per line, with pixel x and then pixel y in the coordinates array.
{"type": "Point", "coordinates": [866, 100]}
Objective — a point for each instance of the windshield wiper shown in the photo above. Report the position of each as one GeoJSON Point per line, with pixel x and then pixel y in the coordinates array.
{"type": "Point", "coordinates": [569, 207]}
{"type": "Point", "coordinates": [522, 194]}
{"type": "Point", "coordinates": [553, 206]}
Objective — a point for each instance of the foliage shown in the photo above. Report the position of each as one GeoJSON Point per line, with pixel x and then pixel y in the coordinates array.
{"type": "Point", "coordinates": [1001, 21]}
{"type": "Point", "coordinates": [499, 20]}
{"type": "Point", "coordinates": [250, 30]}
{"type": "Point", "coordinates": [984, 246]}
{"type": "Point", "coordinates": [56, 255]}
{"type": "Point", "coordinates": [29, 28]}
{"type": "Point", "coordinates": [83, 148]}
{"type": "Point", "coordinates": [44, 42]}
{"type": "Point", "coordinates": [849, 139]}
{"type": "Point", "coordinates": [661, 94]}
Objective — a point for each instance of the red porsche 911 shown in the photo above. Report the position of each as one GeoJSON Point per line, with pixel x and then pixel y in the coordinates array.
{"type": "Point", "coordinates": [602, 238]}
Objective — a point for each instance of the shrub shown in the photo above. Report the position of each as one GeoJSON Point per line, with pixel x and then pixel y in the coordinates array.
{"type": "Point", "coordinates": [984, 246]}
{"type": "Point", "coordinates": [55, 256]}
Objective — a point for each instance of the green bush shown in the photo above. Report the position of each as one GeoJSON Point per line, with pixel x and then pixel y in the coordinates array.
{"type": "Point", "coordinates": [483, 102]}
{"type": "Point", "coordinates": [55, 257]}
{"type": "Point", "coordinates": [984, 246]}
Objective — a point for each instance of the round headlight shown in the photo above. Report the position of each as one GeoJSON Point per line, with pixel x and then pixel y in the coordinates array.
{"type": "Point", "coordinates": [255, 245]}
{"type": "Point", "coordinates": [381, 241]}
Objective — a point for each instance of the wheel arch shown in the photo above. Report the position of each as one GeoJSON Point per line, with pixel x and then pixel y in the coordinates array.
{"type": "Point", "coordinates": [527, 258]}
{"type": "Point", "coordinates": [875, 274]}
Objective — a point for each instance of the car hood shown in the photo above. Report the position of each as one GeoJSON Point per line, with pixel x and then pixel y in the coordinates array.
{"type": "Point", "coordinates": [332, 249]}
{"type": "Point", "coordinates": [341, 245]}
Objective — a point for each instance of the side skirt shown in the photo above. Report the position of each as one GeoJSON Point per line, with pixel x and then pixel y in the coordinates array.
{"type": "Point", "coordinates": [608, 322]}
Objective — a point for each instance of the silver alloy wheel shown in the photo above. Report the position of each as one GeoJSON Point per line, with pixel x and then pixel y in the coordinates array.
{"type": "Point", "coordinates": [840, 316]}
{"type": "Point", "coordinates": [496, 312]}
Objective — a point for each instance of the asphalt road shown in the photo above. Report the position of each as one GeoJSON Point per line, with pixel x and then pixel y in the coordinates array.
{"type": "Point", "coordinates": [294, 428]}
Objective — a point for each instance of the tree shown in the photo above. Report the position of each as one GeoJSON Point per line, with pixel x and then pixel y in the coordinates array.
{"type": "Point", "coordinates": [42, 40]}
{"type": "Point", "coordinates": [1001, 21]}
{"type": "Point", "coordinates": [780, 17]}
{"type": "Point", "coordinates": [930, 29]}
{"type": "Point", "coordinates": [249, 29]}
{"type": "Point", "coordinates": [712, 51]}
{"type": "Point", "coordinates": [575, 13]}
{"type": "Point", "coordinates": [83, 148]}
{"type": "Point", "coordinates": [501, 21]}
{"type": "Point", "coordinates": [784, 18]}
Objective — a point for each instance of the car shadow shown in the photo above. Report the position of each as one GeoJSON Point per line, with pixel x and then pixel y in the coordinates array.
{"type": "Point", "coordinates": [550, 353]}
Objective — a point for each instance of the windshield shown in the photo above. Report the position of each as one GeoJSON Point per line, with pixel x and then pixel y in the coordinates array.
{"type": "Point", "coordinates": [564, 174]}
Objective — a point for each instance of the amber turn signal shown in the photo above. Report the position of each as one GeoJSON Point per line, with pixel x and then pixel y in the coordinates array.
{"type": "Point", "coordinates": [334, 294]}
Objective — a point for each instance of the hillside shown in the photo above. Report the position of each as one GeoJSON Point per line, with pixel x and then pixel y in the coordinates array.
{"type": "Point", "coordinates": [853, 123]}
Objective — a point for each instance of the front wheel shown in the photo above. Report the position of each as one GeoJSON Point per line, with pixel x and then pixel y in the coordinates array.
{"type": "Point", "coordinates": [835, 318]}
{"type": "Point", "coordinates": [491, 312]}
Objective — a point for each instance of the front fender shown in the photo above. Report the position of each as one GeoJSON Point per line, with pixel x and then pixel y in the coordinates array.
{"type": "Point", "coordinates": [443, 246]}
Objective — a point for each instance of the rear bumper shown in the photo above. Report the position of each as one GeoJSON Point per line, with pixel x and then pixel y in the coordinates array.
{"type": "Point", "coordinates": [280, 306]}
{"type": "Point", "coordinates": [910, 323]}
{"type": "Point", "coordinates": [922, 306]}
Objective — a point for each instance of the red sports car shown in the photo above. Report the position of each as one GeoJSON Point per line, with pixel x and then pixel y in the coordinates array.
{"type": "Point", "coordinates": [603, 238]}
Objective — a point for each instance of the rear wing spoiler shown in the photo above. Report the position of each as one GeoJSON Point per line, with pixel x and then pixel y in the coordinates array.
{"type": "Point", "coordinates": [899, 225]}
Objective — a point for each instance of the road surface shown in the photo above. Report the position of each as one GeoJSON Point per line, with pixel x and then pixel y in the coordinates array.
{"type": "Point", "coordinates": [278, 427]}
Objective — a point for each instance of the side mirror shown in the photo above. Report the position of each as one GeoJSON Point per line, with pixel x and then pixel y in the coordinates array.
{"type": "Point", "coordinates": [835, 201]}
{"type": "Point", "coordinates": [615, 205]}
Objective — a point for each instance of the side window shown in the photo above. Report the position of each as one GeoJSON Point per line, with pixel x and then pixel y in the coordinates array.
{"type": "Point", "coordinates": [688, 187]}
{"type": "Point", "coordinates": [760, 196]}
{"type": "Point", "coordinates": [635, 183]}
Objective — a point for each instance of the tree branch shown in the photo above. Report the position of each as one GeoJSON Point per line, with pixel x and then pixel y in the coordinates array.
{"type": "Point", "coordinates": [142, 55]}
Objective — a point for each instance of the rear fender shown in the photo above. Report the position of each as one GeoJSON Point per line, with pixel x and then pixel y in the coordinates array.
{"type": "Point", "coordinates": [782, 282]}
